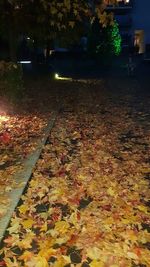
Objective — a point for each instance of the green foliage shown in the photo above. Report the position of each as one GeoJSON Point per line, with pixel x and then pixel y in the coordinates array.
{"type": "Point", "coordinates": [115, 38]}
{"type": "Point", "coordinates": [11, 82]}
{"type": "Point", "coordinates": [104, 42]}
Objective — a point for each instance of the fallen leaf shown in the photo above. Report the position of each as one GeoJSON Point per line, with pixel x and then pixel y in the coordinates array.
{"type": "Point", "coordinates": [94, 253]}
{"type": "Point", "coordinates": [27, 224]}
{"type": "Point", "coordinates": [96, 263]}
{"type": "Point", "coordinates": [62, 227]}
{"type": "Point", "coordinates": [23, 208]}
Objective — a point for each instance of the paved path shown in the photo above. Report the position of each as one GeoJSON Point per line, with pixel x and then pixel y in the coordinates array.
{"type": "Point", "coordinates": [87, 203]}
{"type": "Point", "coordinates": [23, 177]}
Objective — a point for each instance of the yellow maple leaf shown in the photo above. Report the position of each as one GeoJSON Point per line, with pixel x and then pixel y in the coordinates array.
{"type": "Point", "coordinates": [62, 240]}
{"type": "Point", "coordinates": [125, 221]}
{"type": "Point", "coordinates": [81, 177]}
{"type": "Point", "coordinates": [143, 236]}
{"type": "Point", "coordinates": [33, 183]}
{"type": "Point", "coordinates": [47, 243]}
{"type": "Point", "coordinates": [44, 227]}
{"type": "Point", "coordinates": [94, 253]}
{"type": "Point", "coordinates": [145, 170]}
{"type": "Point", "coordinates": [37, 261]}
{"type": "Point", "coordinates": [131, 235]}
{"type": "Point", "coordinates": [47, 253]}
{"type": "Point", "coordinates": [44, 215]}
{"type": "Point", "coordinates": [27, 224]}
{"type": "Point", "coordinates": [96, 263]}
{"type": "Point", "coordinates": [109, 221]}
{"type": "Point", "coordinates": [61, 227]}
{"type": "Point", "coordinates": [110, 191]}
{"type": "Point", "coordinates": [74, 218]}
{"type": "Point", "coordinates": [62, 261]}
{"type": "Point", "coordinates": [25, 243]}
{"type": "Point", "coordinates": [23, 209]}
{"type": "Point", "coordinates": [132, 256]}
{"type": "Point", "coordinates": [71, 24]}
{"type": "Point", "coordinates": [142, 208]}
{"type": "Point", "coordinates": [15, 226]}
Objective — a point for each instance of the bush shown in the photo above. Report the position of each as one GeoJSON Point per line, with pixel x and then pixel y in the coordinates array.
{"type": "Point", "coordinates": [104, 42]}
{"type": "Point", "coordinates": [111, 44]}
{"type": "Point", "coordinates": [11, 81]}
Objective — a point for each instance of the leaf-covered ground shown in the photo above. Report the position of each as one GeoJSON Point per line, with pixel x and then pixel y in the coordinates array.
{"type": "Point", "coordinates": [87, 203]}
{"type": "Point", "coordinates": [18, 136]}
{"type": "Point", "coordinates": [21, 127]}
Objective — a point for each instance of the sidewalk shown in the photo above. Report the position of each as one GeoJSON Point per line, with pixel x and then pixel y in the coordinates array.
{"type": "Point", "coordinates": [87, 204]}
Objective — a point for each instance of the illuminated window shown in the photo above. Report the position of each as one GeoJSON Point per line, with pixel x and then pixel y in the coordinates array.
{"type": "Point", "coordinates": [109, 2]}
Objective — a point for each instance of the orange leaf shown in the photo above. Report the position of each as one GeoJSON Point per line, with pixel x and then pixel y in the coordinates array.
{"type": "Point", "coordinates": [27, 255]}
{"type": "Point", "coordinates": [5, 138]}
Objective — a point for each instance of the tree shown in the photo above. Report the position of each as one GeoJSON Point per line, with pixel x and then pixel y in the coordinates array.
{"type": "Point", "coordinates": [104, 42]}
{"type": "Point", "coordinates": [47, 19]}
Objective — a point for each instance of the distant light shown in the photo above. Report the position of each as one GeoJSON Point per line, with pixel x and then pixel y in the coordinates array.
{"type": "Point", "coordinates": [28, 38]}
{"type": "Point", "coordinates": [51, 52]}
{"type": "Point", "coordinates": [57, 77]}
{"type": "Point", "coordinates": [25, 62]}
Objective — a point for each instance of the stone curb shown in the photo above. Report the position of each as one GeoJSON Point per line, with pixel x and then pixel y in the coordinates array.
{"type": "Point", "coordinates": [24, 176]}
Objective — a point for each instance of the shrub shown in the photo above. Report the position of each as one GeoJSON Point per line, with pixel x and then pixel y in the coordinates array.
{"type": "Point", "coordinates": [111, 44]}
{"type": "Point", "coordinates": [11, 81]}
{"type": "Point", "coordinates": [105, 42]}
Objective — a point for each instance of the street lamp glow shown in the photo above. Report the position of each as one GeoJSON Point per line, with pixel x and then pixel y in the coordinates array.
{"type": "Point", "coordinates": [57, 77]}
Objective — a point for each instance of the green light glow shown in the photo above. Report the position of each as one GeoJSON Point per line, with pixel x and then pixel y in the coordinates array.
{"type": "Point", "coordinates": [116, 39]}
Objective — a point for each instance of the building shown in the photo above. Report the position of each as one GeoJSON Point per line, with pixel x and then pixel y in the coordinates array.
{"type": "Point", "coordinates": [141, 23]}
{"type": "Point", "coordinates": [134, 22]}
